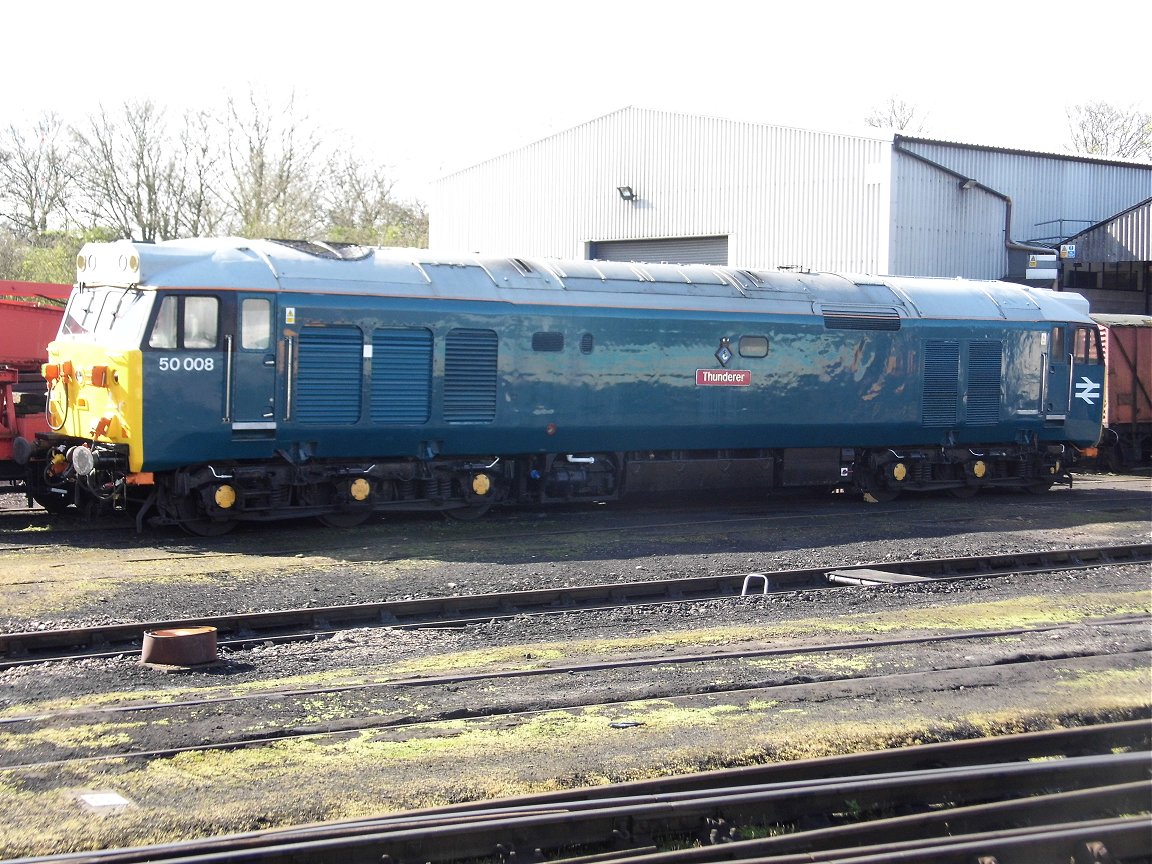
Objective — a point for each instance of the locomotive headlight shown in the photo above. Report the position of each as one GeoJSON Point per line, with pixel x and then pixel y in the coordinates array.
{"type": "Point", "coordinates": [481, 484]}
{"type": "Point", "coordinates": [86, 461]}
{"type": "Point", "coordinates": [83, 460]}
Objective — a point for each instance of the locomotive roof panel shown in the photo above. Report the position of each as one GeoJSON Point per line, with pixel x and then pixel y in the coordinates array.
{"type": "Point", "coordinates": [306, 267]}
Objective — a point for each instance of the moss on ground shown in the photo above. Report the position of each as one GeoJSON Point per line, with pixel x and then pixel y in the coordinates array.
{"type": "Point", "coordinates": [358, 774]}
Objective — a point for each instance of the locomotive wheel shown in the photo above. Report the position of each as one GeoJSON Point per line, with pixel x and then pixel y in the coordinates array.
{"type": "Point", "coordinates": [345, 518]}
{"type": "Point", "coordinates": [470, 513]}
{"type": "Point", "coordinates": [1039, 487]}
{"type": "Point", "coordinates": [963, 491]}
{"type": "Point", "coordinates": [193, 520]}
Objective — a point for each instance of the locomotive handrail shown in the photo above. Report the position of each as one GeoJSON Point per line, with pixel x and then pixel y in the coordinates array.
{"type": "Point", "coordinates": [1071, 377]}
{"type": "Point", "coordinates": [1043, 381]}
{"type": "Point", "coordinates": [288, 357]}
{"type": "Point", "coordinates": [227, 379]}
{"type": "Point", "coordinates": [556, 273]}
{"type": "Point", "coordinates": [420, 268]}
{"type": "Point", "coordinates": [731, 280]}
{"type": "Point", "coordinates": [487, 272]}
{"type": "Point", "coordinates": [903, 295]}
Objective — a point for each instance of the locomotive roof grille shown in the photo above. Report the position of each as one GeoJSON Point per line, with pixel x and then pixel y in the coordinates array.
{"type": "Point", "coordinates": [322, 249]}
{"type": "Point", "coordinates": [837, 319]}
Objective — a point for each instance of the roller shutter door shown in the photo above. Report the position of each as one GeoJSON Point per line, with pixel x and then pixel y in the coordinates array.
{"type": "Point", "coordinates": [675, 250]}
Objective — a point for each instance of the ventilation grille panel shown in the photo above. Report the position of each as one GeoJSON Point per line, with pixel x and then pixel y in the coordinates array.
{"type": "Point", "coordinates": [329, 377]}
{"type": "Point", "coordinates": [984, 364]}
{"type": "Point", "coordinates": [470, 376]}
{"type": "Point", "coordinates": [401, 376]}
{"type": "Point", "coordinates": [941, 383]}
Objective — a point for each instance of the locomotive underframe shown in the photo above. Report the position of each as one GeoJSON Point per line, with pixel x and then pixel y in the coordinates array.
{"type": "Point", "coordinates": [210, 498]}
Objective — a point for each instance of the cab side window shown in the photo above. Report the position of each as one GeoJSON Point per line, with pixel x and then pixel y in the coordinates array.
{"type": "Point", "coordinates": [164, 330]}
{"type": "Point", "coordinates": [255, 324]}
{"type": "Point", "coordinates": [1087, 347]}
{"type": "Point", "coordinates": [186, 322]}
{"type": "Point", "coordinates": [201, 322]}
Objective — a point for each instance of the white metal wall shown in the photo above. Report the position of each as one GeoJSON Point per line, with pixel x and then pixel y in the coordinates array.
{"type": "Point", "coordinates": [1044, 188]}
{"type": "Point", "coordinates": [782, 196]}
{"type": "Point", "coordinates": [939, 229]}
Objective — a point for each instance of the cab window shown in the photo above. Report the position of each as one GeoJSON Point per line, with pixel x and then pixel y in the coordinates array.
{"type": "Point", "coordinates": [1087, 347]}
{"type": "Point", "coordinates": [164, 330]}
{"type": "Point", "coordinates": [255, 324]}
{"type": "Point", "coordinates": [83, 310]}
{"type": "Point", "coordinates": [186, 322]}
{"type": "Point", "coordinates": [753, 346]}
{"type": "Point", "coordinates": [201, 322]}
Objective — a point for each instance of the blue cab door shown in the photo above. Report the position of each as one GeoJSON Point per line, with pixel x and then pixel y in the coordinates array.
{"type": "Point", "coordinates": [1086, 385]}
{"type": "Point", "coordinates": [253, 369]}
{"type": "Point", "coordinates": [1057, 375]}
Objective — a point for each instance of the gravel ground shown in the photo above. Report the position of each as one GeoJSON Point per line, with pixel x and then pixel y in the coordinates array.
{"type": "Point", "coordinates": [111, 574]}
{"type": "Point", "coordinates": [457, 738]}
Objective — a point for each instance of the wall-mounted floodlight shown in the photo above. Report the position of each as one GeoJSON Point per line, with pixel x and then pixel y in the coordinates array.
{"type": "Point", "coordinates": [968, 184]}
{"type": "Point", "coordinates": [627, 193]}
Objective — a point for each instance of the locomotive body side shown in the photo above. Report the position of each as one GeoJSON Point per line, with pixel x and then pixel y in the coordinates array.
{"type": "Point", "coordinates": [254, 382]}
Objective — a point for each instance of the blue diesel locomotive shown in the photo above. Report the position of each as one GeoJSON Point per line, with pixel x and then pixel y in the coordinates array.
{"type": "Point", "coordinates": [206, 382]}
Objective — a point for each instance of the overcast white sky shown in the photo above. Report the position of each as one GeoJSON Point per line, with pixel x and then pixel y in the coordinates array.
{"type": "Point", "coordinates": [432, 86]}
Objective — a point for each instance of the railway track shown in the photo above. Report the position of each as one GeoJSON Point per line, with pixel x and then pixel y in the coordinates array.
{"type": "Point", "coordinates": [240, 630]}
{"type": "Point", "coordinates": [1030, 797]}
{"type": "Point", "coordinates": [149, 727]}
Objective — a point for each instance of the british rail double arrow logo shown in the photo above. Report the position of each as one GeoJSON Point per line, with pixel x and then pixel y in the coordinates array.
{"type": "Point", "coordinates": [1087, 390]}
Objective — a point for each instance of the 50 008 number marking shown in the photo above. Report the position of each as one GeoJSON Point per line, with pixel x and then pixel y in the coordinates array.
{"type": "Point", "coordinates": [186, 364]}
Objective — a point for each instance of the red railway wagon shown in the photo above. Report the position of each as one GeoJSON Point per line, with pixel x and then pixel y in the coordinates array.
{"type": "Point", "coordinates": [1127, 438]}
{"type": "Point", "coordinates": [30, 314]}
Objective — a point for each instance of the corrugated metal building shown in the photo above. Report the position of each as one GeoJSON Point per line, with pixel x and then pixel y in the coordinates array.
{"type": "Point", "coordinates": [641, 184]}
{"type": "Point", "coordinates": [1111, 263]}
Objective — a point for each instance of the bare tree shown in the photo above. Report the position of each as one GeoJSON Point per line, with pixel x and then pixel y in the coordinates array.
{"type": "Point", "coordinates": [35, 175]}
{"type": "Point", "coordinates": [899, 115]}
{"type": "Point", "coordinates": [139, 179]}
{"type": "Point", "coordinates": [273, 190]}
{"type": "Point", "coordinates": [360, 208]}
{"type": "Point", "coordinates": [1101, 129]}
{"type": "Point", "coordinates": [201, 184]}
